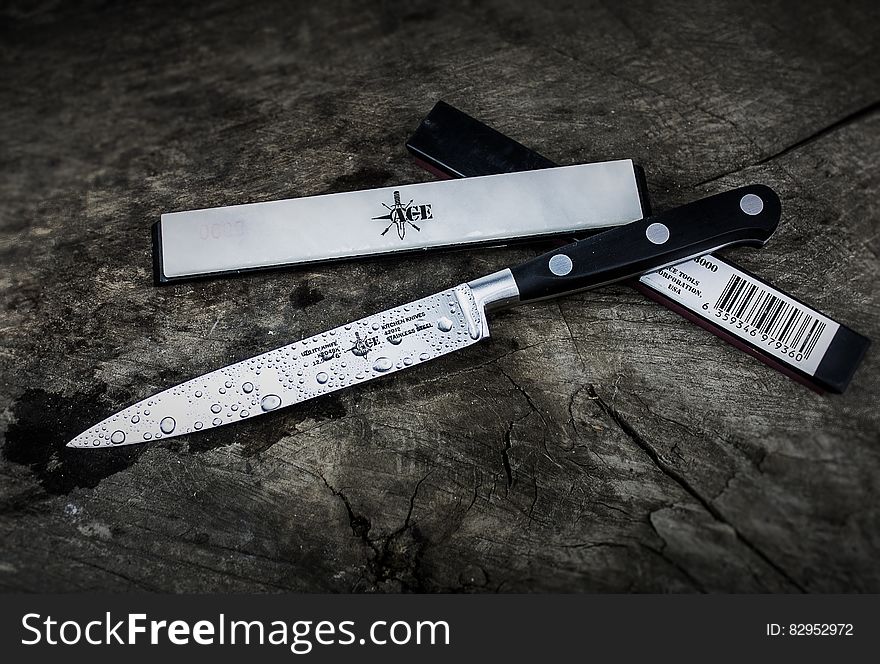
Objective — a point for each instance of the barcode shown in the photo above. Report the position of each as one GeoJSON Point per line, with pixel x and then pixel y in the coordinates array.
{"type": "Point", "coordinates": [781, 321]}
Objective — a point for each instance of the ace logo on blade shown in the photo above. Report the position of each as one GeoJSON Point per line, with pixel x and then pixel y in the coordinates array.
{"type": "Point", "coordinates": [401, 216]}
{"type": "Point", "coordinates": [362, 346]}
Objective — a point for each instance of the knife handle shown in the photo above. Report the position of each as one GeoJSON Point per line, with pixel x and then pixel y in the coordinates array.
{"type": "Point", "coordinates": [747, 215]}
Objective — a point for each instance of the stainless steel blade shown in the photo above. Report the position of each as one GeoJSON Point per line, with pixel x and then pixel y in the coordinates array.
{"type": "Point", "coordinates": [371, 347]}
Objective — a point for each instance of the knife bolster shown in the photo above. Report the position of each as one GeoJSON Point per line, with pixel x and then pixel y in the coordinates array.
{"type": "Point", "coordinates": [494, 291]}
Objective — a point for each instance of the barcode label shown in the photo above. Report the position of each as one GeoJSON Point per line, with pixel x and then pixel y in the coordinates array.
{"type": "Point", "coordinates": [749, 309]}
{"type": "Point", "coordinates": [771, 316]}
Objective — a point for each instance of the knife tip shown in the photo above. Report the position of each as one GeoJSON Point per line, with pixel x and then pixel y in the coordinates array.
{"type": "Point", "coordinates": [78, 442]}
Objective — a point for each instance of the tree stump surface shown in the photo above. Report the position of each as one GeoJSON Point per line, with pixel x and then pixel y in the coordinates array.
{"type": "Point", "coordinates": [595, 443]}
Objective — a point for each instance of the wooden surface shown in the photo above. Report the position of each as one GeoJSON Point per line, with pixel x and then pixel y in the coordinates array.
{"type": "Point", "coordinates": [596, 443]}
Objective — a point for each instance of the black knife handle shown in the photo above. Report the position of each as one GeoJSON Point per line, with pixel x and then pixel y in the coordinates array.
{"type": "Point", "coordinates": [747, 215]}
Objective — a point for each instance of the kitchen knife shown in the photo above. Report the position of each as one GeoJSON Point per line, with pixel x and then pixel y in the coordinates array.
{"type": "Point", "coordinates": [439, 324]}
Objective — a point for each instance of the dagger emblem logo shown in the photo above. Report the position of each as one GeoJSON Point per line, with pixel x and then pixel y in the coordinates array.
{"type": "Point", "coordinates": [362, 346]}
{"type": "Point", "coordinates": [401, 216]}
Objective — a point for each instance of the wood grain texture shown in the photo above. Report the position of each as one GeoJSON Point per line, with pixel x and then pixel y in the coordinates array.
{"type": "Point", "coordinates": [596, 443]}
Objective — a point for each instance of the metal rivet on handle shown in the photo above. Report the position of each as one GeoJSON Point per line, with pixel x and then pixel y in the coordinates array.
{"type": "Point", "coordinates": [751, 204]}
{"type": "Point", "coordinates": [657, 233]}
{"type": "Point", "coordinates": [560, 265]}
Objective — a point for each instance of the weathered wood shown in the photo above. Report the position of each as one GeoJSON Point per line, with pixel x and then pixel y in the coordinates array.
{"type": "Point", "coordinates": [596, 443]}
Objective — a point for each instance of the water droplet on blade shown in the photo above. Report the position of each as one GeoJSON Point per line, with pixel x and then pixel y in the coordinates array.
{"type": "Point", "coordinates": [135, 419]}
{"type": "Point", "coordinates": [444, 324]}
{"type": "Point", "coordinates": [382, 364]}
{"type": "Point", "coordinates": [167, 424]}
{"type": "Point", "coordinates": [322, 377]}
{"type": "Point", "coordinates": [217, 422]}
{"type": "Point", "coordinates": [216, 408]}
{"type": "Point", "coordinates": [425, 356]}
{"type": "Point", "coordinates": [247, 388]}
{"type": "Point", "coordinates": [148, 435]}
{"type": "Point", "coordinates": [270, 402]}
{"type": "Point", "coordinates": [117, 437]}
{"type": "Point", "coordinates": [198, 394]}
{"type": "Point", "coordinates": [197, 426]}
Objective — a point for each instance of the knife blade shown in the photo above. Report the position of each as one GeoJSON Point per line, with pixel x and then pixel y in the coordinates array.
{"type": "Point", "coordinates": [439, 324]}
